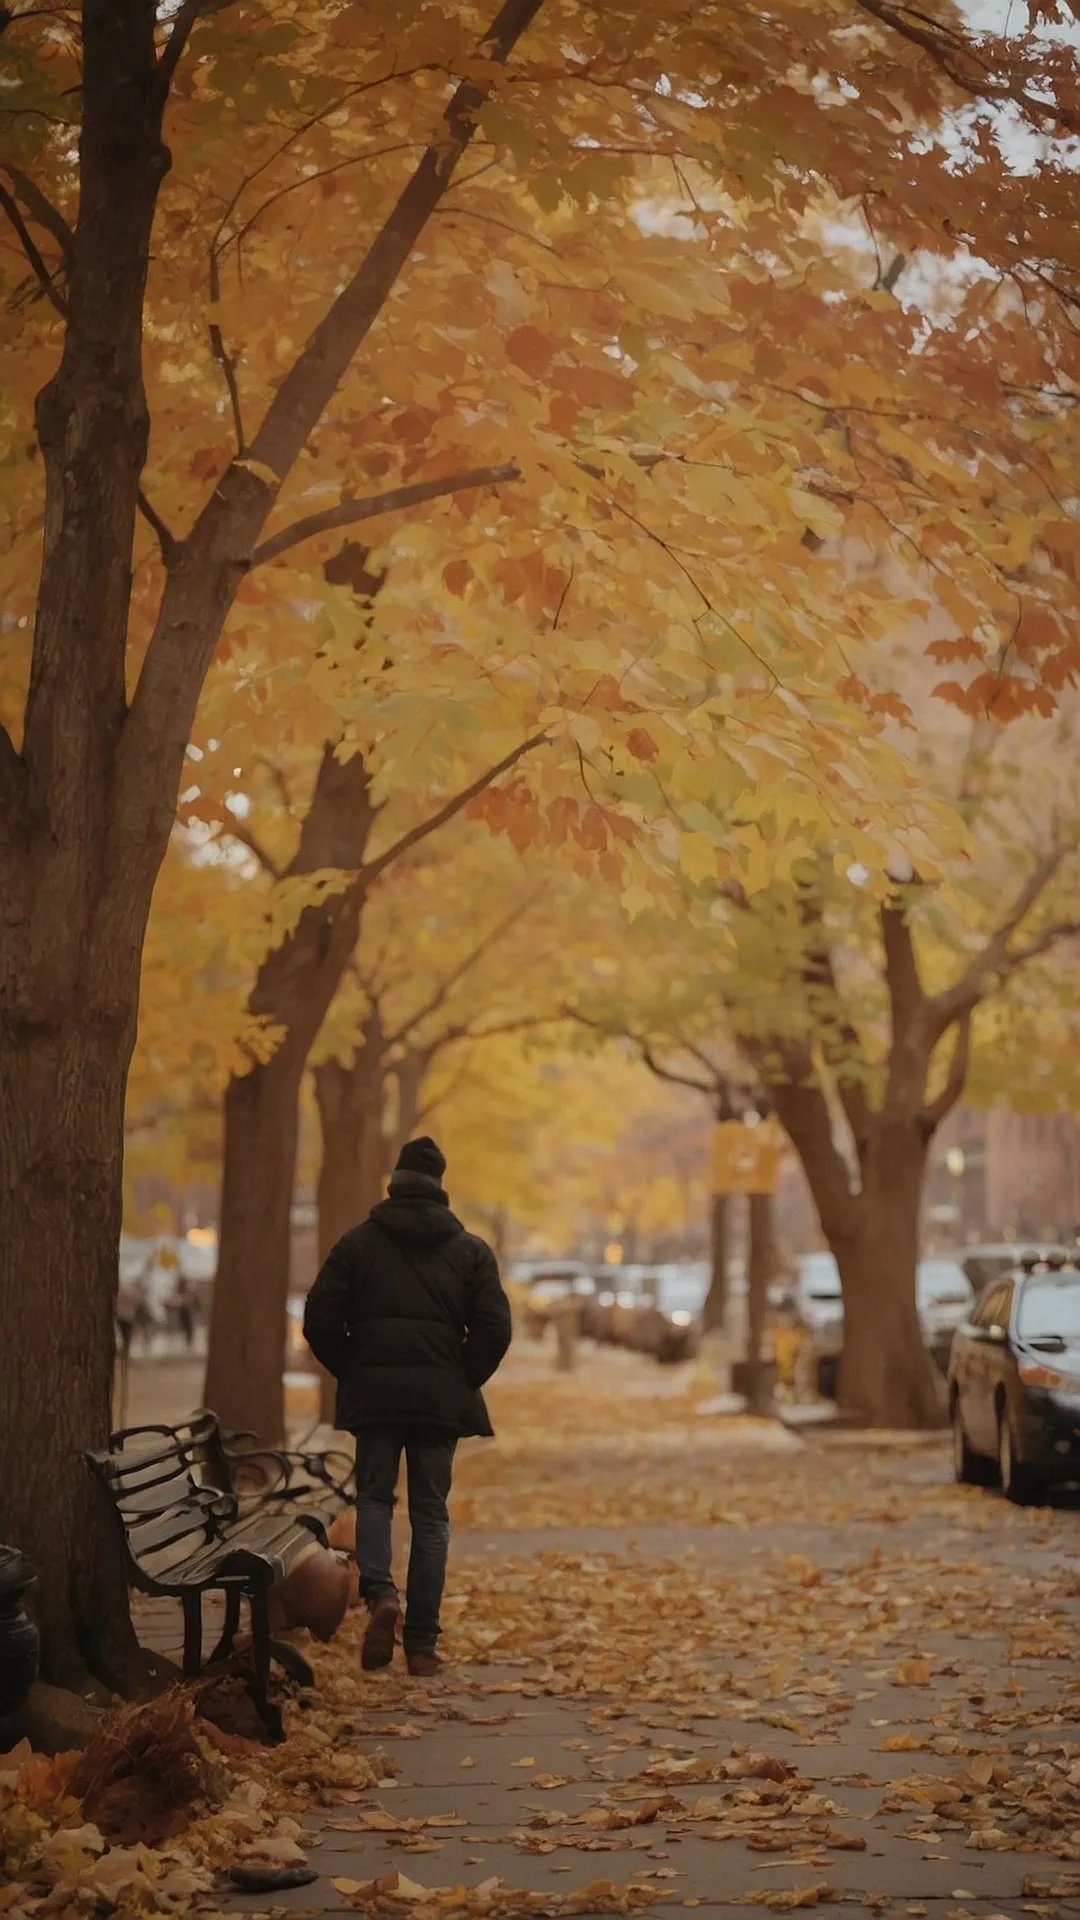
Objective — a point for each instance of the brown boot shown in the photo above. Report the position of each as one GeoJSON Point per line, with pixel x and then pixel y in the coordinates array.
{"type": "Point", "coordinates": [378, 1647]}
{"type": "Point", "coordinates": [423, 1662]}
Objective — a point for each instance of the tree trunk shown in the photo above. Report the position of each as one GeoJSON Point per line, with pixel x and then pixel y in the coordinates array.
{"type": "Point", "coordinates": [410, 1072]}
{"type": "Point", "coordinates": [714, 1312]}
{"type": "Point", "coordinates": [296, 983]}
{"type": "Point", "coordinates": [350, 1103]}
{"type": "Point", "coordinates": [885, 1370]}
{"type": "Point", "coordinates": [69, 956]}
{"type": "Point", "coordinates": [246, 1350]}
{"type": "Point", "coordinates": [761, 1266]}
{"type": "Point", "coordinates": [61, 1150]}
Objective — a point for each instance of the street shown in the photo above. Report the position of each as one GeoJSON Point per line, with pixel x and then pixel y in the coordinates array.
{"type": "Point", "coordinates": [704, 1659]}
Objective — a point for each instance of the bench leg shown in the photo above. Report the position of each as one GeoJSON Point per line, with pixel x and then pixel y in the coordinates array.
{"type": "Point", "coordinates": [260, 1648]}
{"type": "Point", "coordinates": [228, 1632]}
{"type": "Point", "coordinates": [192, 1604]}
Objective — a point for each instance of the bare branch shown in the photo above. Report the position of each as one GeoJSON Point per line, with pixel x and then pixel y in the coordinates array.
{"type": "Point", "coordinates": [349, 512]}
{"type": "Point", "coordinates": [935, 1110]}
{"type": "Point", "coordinates": [370, 873]}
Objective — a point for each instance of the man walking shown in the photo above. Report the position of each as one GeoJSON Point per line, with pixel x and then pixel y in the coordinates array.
{"type": "Point", "coordinates": [409, 1315]}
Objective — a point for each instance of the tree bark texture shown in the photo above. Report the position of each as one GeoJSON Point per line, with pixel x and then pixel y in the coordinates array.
{"type": "Point", "coordinates": [295, 985]}
{"type": "Point", "coordinates": [885, 1371]}
{"type": "Point", "coordinates": [350, 1101]}
{"type": "Point", "coordinates": [69, 957]}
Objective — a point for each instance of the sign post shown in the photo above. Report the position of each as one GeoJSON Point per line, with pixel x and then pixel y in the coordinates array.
{"type": "Point", "coordinates": [746, 1159]}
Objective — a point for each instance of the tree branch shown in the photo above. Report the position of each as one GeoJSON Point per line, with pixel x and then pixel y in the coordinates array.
{"type": "Point", "coordinates": [217, 552]}
{"type": "Point", "coordinates": [26, 240]}
{"type": "Point", "coordinates": [171, 52]}
{"type": "Point", "coordinates": [995, 957]}
{"type": "Point", "coordinates": [48, 216]}
{"type": "Point", "coordinates": [906, 997]}
{"type": "Point", "coordinates": [368, 874]}
{"type": "Point", "coordinates": [349, 512]}
{"type": "Point", "coordinates": [948, 49]}
{"type": "Point", "coordinates": [254, 845]}
{"type": "Point", "coordinates": [453, 979]}
{"type": "Point", "coordinates": [166, 538]}
{"type": "Point", "coordinates": [224, 358]}
{"type": "Point", "coordinates": [713, 1089]}
{"type": "Point", "coordinates": [840, 1039]}
{"type": "Point", "coordinates": [315, 375]}
{"type": "Point", "coordinates": [1051, 937]}
{"type": "Point", "coordinates": [41, 209]}
{"type": "Point", "coordinates": [935, 1110]}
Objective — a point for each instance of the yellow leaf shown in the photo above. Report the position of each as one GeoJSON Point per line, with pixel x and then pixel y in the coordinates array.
{"type": "Point", "coordinates": [913, 1673]}
{"type": "Point", "coordinates": [697, 857]}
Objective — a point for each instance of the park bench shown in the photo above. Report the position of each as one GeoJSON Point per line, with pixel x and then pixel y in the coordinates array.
{"type": "Point", "coordinates": [185, 1534]}
{"type": "Point", "coordinates": [320, 1478]}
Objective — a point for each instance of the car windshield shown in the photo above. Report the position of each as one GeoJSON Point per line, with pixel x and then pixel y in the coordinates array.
{"type": "Point", "coordinates": [1049, 1304]}
{"type": "Point", "coordinates": [941, 1283]}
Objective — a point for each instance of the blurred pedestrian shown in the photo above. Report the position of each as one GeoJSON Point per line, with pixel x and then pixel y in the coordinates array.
{"type": "Point", "coordinates": [142, 1320]}
{"type": "Point", "coordinates": [182, 1303]}
{"type": "Point", "coordinates": [409, 1315]}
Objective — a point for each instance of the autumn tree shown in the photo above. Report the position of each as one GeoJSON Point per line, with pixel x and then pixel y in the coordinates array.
{"type": "Point", "coordinates": [208, 221]}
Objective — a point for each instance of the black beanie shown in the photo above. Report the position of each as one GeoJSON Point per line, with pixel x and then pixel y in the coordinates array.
{"type": "Point", "coordinates": [421, 1156]}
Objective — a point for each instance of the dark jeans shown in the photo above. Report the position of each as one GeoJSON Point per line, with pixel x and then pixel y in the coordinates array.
{"type": "Point", "coordinates": [429, 1459]}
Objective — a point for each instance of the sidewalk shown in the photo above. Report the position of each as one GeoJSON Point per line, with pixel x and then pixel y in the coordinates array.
{"type": "Point", "coordinates": [741, 1672]}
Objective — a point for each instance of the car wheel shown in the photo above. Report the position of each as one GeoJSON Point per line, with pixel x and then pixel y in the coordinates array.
{"type": "Point", "coordinates": [1018, 1483]}
{"type": "Point", "coordinates": [971, 1469]}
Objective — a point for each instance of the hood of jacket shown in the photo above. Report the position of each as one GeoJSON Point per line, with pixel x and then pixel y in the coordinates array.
{"type": "Point", "coordinates": [420, 1217]}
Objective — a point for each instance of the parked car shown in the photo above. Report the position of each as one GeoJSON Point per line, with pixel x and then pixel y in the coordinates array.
{"type": "Point", "coordinates": [654, 1310]}
{"type": "Point", "coordinates": [547, 1283]}
{"type": "Point", "coordinates": [819, 1304]}
{"type": "Point", "coordinates": [943, 1295]}
{"type": "Point", "coordinates": [1014, 1382]}
{"type": "Point", "coordinates": [987, 1262]}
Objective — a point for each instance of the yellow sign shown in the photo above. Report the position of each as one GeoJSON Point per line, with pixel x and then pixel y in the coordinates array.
{"type": "Point", "coordinates": [746, 1159]}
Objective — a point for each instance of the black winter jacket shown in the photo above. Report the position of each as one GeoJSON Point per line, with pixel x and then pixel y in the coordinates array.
{"type": "Point", "coordinates": [409, 1315]}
